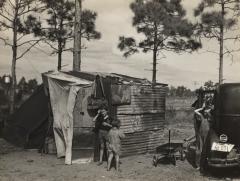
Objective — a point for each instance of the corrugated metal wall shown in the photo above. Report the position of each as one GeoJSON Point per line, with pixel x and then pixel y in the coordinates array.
{"type": "Point", "coordinates": [143, 120]}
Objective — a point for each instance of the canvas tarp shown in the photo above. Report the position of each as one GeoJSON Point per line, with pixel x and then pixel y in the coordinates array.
{"type": "Point", "coordinates": [62, 96]}
{"type": "Point", "coordinates": [28, 126]}
{"type": "Point", "coordinates": [121, 94]}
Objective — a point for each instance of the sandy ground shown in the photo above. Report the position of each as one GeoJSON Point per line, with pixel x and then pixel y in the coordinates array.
{"type": "Point", "coordinates": [25, 165]}
{"type": "Point", "coordinates": [18, 165]}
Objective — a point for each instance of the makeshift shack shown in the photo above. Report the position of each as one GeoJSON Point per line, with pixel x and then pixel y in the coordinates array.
{"type": "Point", "coordinates": [75, 97]}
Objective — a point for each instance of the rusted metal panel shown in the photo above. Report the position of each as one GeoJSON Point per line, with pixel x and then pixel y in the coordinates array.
{"type": "Point", "coordinates": [141, 142]}
{"type": "Point", "coordinates": [146, 111]}
{"type": "Point", "coordinates": [143, 122]}
{"type": "Point", "coordinates": [145, 99]}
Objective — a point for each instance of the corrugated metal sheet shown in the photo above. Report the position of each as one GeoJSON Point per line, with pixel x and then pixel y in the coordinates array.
{"type": "Point", "coordinates": [143, 120]}
{"type": "Point", "coordinates": [141, 142]}
{"type": "Point", "coordinates": [145, 99]}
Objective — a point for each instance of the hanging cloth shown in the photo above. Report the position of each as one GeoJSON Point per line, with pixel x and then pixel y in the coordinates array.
{"type": "Point", "coordinates": [98, 97]}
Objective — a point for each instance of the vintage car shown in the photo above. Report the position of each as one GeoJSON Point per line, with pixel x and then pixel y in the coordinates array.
{"type": "Point", "coordinates": [222, 146]}
{"type": "Point", "coordinates": [224, 136]}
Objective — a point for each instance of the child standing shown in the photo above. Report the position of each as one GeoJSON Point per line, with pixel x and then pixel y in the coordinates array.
{"type": "Point", "coordinates": [102, 127]}
{"type": "Point", "coordinates": [114, 149]}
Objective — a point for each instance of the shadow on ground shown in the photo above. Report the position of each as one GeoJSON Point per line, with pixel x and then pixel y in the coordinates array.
{"type": "Point", "coordinates": [223, 173]}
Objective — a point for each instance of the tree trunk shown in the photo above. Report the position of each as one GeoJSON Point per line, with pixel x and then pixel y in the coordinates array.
{"type": "Point", "coordinates": [221, 47]}
{"type": "Point", "coordinates": [59, 56]}
{"type": "Point", "coordinates": [13, 79]}
{"type": "Point", "coordinates": [154, 79]}
{"type": "Point", "coordinates": [59, 60]}
{"type": "Point", "coordinates": [77, 36]}
{"type": "Point", "coordinates": [14, 60]}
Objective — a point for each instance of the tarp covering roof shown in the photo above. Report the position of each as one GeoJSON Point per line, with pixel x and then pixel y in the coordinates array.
{"type": "Point", "coordinates": [90, 76]}
{"type": "Point", "coordinates": [84, 78]}
{"type": "Point", "coordinates": [67, 77]}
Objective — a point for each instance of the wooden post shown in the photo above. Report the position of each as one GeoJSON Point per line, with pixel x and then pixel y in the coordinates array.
{"type": "Point", "coordinates": [77, 36]}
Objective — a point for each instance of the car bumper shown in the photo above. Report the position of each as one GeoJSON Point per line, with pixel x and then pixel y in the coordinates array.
{"type": "Point", "coordinates": [223, 163]}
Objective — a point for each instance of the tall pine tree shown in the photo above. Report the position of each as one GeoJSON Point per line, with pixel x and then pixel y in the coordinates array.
{"type": "Point", "coordinates": [164, 27]}
{"type": "Point", "coordinates": [60, 23]}
{"type": "Point", "coordinates": [219, 21]}
{"type": "Point", "coordinates": [17, 17]}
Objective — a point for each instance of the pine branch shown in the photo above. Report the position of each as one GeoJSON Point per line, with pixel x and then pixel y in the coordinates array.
{"type": "Point", "coordinates": [230, 8]}
{"type": "Point", "coordinates": [21, 37]}
{"type": "Point", "coordinates": [5, 17]}
{"type": "Point", "coordinates": [230, 51]}
{"type": "Point", "coordinates": [173, 49]}
{"type": "Point", "coordinates": [10, 2]}
{"type": "Point", "coordinates": [210, 35]}
{"type": "Point", "coordinates": [23, 7]}
{"type": "Point", "coordinates": [233, 38]}
{"type": "Point", "coordinates": [5, 11]}
{"type": "Point", "coordinates": [4, 24]}
{"type": "Point", "coordinates": [28, 49]}
{"type": "Point", "coordinates": [230, 1]}
{"type": "Point", "coordinates": [160, 42]}
{"type": "Point", "coordinates": [51, 45]}
{"type": "Point", "coordinates": [29, 42]}
{"type": "Point", "coordinates": [35, 9]}
{"type": "Point", "coordinates": [210, 51]}
{"type": "Point", "coordinates": [5, 40]}
{"type": "Point", "coordinates": [68, 49]}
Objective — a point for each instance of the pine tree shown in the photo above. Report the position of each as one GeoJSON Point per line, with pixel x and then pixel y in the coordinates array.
{"type": "Point", "coordinates": [164, 27]}
{"type": "Point", "coordinates": [219, 21]}
{"type": "Point", "coordinates": [60, 23]}
{"type": "Point", "coordinates": [17, 17]}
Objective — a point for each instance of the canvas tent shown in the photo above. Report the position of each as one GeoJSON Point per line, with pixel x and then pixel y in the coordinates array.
{"type": "Point", "coordinates": [28, 126]}
{"type": "Point", "coordinates": [62, 90]}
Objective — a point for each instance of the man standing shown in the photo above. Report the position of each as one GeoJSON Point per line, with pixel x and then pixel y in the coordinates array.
{"type": "Point", "coordinates": [202, 127]}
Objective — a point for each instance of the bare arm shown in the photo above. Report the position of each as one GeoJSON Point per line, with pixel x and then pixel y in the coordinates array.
{"type": "Point", "coordinates": [98, 114]}
{"type": "Point", "coordinates": [95, 118]}
{"type": "Point", "coordinates": [107, 124]}
{"type": "Point", "coordinates": [121, 134]}
{"type": "Point", "coordinates": [197, 111]}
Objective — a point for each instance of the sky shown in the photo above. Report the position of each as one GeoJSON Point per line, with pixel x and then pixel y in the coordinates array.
{"type": "Point", "coordinates": [114, 20]}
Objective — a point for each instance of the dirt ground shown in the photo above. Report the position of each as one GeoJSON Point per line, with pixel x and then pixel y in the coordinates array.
{"type": "Point", "coordinates": [30, 165]}
{"type": "Point", "coordinates": [18, 165]}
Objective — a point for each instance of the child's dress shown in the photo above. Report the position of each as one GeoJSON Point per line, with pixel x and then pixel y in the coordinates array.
{"type": "Point", "coordinates": [115, 135]}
